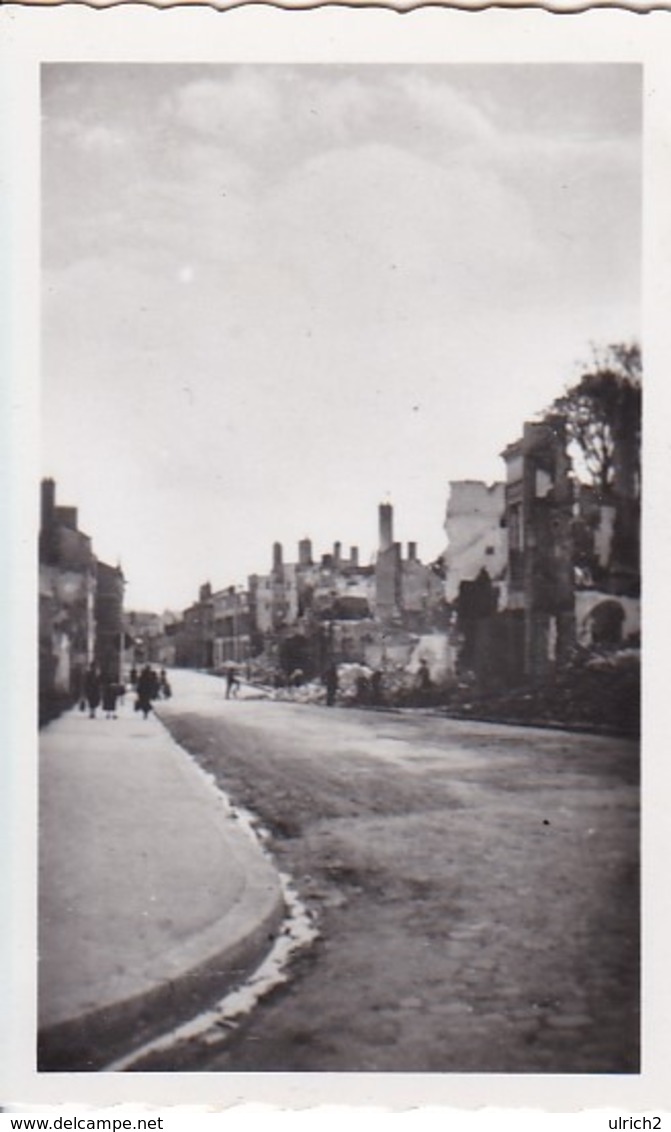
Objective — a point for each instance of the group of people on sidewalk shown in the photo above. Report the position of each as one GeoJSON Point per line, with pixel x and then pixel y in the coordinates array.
{"type": "Point", "coordinates": [104, 690]}
{"type": "Point", "coordinates": [100, 690]}
{"type": "Point", "coordinates": [149, 685]}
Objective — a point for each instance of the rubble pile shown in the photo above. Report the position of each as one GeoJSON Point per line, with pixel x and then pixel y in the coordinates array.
{"type": "Point", "coordinates": [597, 690]}
{"type": "Point", "coordinates": [313, 692]}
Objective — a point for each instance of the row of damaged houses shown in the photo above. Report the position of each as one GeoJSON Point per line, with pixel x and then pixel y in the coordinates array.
{"type": "Point", "coordinates": [80, 608]}
{"type": "Point", "coordinates": [306, 614]}
{"type": "Point", "coordinates": [534, 565]}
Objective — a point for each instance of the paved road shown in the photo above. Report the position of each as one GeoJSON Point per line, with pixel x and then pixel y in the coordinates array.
{"type": "Point", "coordinates": [476, 887]}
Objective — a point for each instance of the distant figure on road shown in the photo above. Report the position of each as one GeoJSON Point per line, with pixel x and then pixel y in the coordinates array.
{"type": "Point", "coordinates": [232, 682]}
{"type": "Point", "coordinates": [376, 687]}
{"type": "Point", "coordinates": [164, 689]}
{"type": "Point", "coordinates": [110, 694]}
{"type": "Point", "coordinates": [147, 689]}
{"type": "Point", "coordinates": [423, 677]}
{"type": "Point", "coordinates": [362, 689]}
{"type": "Point", "coordinates": [331, 682]}
{"type": "Point", "coordinates": [92, 688]}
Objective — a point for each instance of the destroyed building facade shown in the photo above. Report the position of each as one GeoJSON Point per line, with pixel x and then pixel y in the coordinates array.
{"type": "Point", "coordinates": [538, 518]}
{"type": "Point", "coordinates": [534, 564]}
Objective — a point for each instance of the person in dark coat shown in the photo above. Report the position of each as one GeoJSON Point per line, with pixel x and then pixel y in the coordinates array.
{"type": "Point", "coordinates": [362, 689]}
{"type": "Point", "coordinates": [146, 690]}
{"type": "Point", "coordinates": [376, 687]}
{"type": "Point", "coordinates": [331, 682]}
{"type": "Point", "coordinates": [423, 677]}
{"type": "Point", "coordinates": [133, 676]}
{"type": "Point", "coordinates": [232, 682]}
{"type": "Point", "coordinates": [110, 694]}
{"type": "Point", "coordinates": [92, 688]}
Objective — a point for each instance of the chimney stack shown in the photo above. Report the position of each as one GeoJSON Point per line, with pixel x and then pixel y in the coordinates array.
{"type": "Point", "coordinates": [277, 557]}
{"type": "Point", "coordinates": [48, 504]}
{"type": "Point", "coordinates": [305, 552]}
{"type": "Point", "coordinates": [386, 513]}
{"type": "Point", "coordinates": [354, 556]}
{"type": "Point", "coordinates": [412, 552]}
{"type": "Point", "coordinates": [336, 554]}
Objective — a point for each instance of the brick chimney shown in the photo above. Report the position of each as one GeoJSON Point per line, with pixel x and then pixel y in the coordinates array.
{"type": "Point", "coordinates": [386, 514]}
{"type": "Point", "coordinates": [277, 557]}
{"type": "Point", "coordinates": [305, 552]}
{"type": "Point", "coordinates": [48, 504]}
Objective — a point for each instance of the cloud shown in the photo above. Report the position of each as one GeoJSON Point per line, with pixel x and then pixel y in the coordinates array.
{"type": "Point", "coordinates": [284, 113]}
{"type": "Point", "coordinates": [244, 107]}
{"type": "Point", "coordinates": [380, 225]}
{"type": "Point", "coordinates": [101, 138]}
{"type": "Point", "coordinates": [435, 106]}
{"type": "Point", "coordinates": [254, 273]}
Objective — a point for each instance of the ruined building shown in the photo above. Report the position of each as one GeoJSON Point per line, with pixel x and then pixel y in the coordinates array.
{"type": "Point", "coordinates": [538, 519]}
{"type": "Point", "coordinates": [534, 565]}
{"type": "Point", "coordinates": [476, 535]}
{"type": "Point", "coordinates": [232, 627]}
{"type": "Point", "coordinates": [408, 592]}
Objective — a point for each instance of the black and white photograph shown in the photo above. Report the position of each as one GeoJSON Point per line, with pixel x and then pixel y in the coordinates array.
{"type": "Point", "coordinates": [339, 495]}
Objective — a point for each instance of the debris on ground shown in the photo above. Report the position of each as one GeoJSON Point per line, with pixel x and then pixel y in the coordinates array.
{"type": "Point", "coordinates": [597, 690]}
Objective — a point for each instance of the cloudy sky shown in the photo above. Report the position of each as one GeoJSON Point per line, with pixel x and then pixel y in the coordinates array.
{"type": "Point", "coordinates": [276, 296]}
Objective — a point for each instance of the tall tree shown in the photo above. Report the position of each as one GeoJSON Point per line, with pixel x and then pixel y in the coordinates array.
{"type": "Point", "coordinates": [602, 412]}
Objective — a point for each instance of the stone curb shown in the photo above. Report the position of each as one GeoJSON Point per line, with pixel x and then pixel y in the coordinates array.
{"type": "Point", "coordinates": [91, 1041]}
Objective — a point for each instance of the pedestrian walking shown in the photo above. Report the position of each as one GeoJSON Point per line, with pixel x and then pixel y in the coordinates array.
{"type": "Point", "coordinates": [424, 684]}
{"type": "Point", "coordinates": [92, 689]}
{"type": "Point", "coordinates": [376, 687]}
{"type": "Point", "coordinates": [110, 692]}
{"type": "Point", "coordinates": [362, 688]}
{"type": "Point", "coordinates": [423, 676]}
{"type": "Point", "coordinates": [133, 677]}
{"type": "Point", "coordinates": [146, 690]}
{"type": "Point", "coordinates": [331, 682]}
{"type": "Point", "coordinates": [232, 682]}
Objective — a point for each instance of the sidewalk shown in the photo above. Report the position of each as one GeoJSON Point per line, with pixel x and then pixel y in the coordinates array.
{"type": "Point", "coordinates": [152, 900]}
